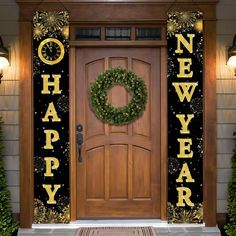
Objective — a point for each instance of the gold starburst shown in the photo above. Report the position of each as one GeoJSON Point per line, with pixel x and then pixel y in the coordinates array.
{"type": "Point", "coordinates": [199, 212]}
{"type": "Point", "coordinates": [54, 21]}
{"type": "Point", "coordinates": [39, 31]}
{"type": "Point", "coordinates": [186, 216]}
{"type": "Point", "coordinates": [52, 216]}
{"type": "Point", "coordinates": [36, 17]}
{"type": "Point", "coordinates": [186, 19]}
{"type": "Point", "coordinates": [183, 215]}
{"type": "Point", "coordinates": [42, 214]}
{"type": "Point", "coordinates": [65, 215]}
{"type": "Point", "coordinates": [65, 32]}
{"type": "Point", "coordinates": [172, 27]}
{"type": "Point", "coordinates": [198, 26]}
{"type": "Point", "coordinates": [39, 211]}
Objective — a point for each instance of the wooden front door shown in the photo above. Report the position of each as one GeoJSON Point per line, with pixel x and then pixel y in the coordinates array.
{"type": "Point", "coordinates": [119, 175]}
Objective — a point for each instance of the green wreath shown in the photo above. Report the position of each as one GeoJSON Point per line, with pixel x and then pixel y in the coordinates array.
{"type": "Point", "coordinates": [121, 115]}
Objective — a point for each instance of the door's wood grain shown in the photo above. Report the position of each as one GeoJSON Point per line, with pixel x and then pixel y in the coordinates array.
{"type": "Point", "coordinates": [95, 173]}
{"type": "Point", "coordinates": [118, 160]}
{"type": "Point", "coordinates": [142, 125]}
{"type": "Point", "coordinates": [93, 125]}
{"type": "Point", "coordinates": [141, 173]}
{"type": "Point", "coordinates": [120, 172]}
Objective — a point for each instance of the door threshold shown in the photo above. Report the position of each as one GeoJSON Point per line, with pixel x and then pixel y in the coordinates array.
{"type": "Point", "coordinates": [156, 223]}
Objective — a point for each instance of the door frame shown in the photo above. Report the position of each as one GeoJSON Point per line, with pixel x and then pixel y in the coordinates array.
{"type": "Point", "coordinates": [145, 12]}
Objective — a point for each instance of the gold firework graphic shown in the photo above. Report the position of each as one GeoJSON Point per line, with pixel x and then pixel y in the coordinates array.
{"type": "Point", "coordinates": [183, 215]}
{"type": "Point", "coordinates": [54, 21]}
{"type": "Point", "coordinates": [186, 19]}
{"type": "Point", "coordinates": [198, 26]}
{"type": "Point", "coordinates": [172, 28]}
{"type": "Point", "coordinates": [36, 18]}
{"type": "Point", "coordinates": [42, 214]}
{"type": "Point", "coordinates": [65, 31]}
{"type": "Point", "coordinates": [39, 211]}
{"type": "Point", "coordinates": [39, 31]}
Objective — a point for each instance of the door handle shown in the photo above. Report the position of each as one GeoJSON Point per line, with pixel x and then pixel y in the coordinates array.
{"type": "Point", "coordinates": [79, 141]}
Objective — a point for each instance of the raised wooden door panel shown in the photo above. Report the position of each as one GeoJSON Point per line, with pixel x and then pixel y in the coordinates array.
{"type": "Point", "coordinates": [120, 172]}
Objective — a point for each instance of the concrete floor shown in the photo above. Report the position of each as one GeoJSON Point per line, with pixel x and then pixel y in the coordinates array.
{"type": "Point", "coordinates": [161, 228]}
{"type": "Point", "coordinates": [172, 231]}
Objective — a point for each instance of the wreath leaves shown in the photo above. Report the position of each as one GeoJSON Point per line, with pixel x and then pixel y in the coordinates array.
{"type": "Point", "coordinates": [121, 115]}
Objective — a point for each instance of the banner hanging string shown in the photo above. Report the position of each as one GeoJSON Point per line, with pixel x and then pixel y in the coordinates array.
{"type": "Point", "coordinates": [42, 1]}
{"type": "Point", "coordinates": [175, 1]}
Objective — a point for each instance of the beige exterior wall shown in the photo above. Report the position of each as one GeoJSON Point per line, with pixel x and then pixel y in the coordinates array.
{"type": "Point", "coordinates": [226, 98]}
{"type": "Point", "coordinates": [9, 97]}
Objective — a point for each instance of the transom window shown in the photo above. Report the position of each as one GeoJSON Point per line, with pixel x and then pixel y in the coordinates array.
{"type": "Point", "coordinates": [117, 33]}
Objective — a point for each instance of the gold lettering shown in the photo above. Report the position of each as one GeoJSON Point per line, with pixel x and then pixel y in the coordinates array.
{"type": "Point", "coordinates": [51, 194]}
{"type": "Point", "coordinates": [184, 92]}
{"type": "Point", "coordinates": [51, 136]}
{"type": "Point", "coordinates": [185, 122]}
{"type": "Point", "coordinates": [185, 172]}
{"type": "Point", "coordinates": [55, 84]}
{"type": "Point", "coordinates": [187, 45]}
{"type": "Point", "coordinates": [51, 111]}
{"type": "Point", "coordinates": [52, 163]}
{"type": "Point", "coordinates": [184, 145]}
{"type": "Point", "coordinates": [184, 197]}
{"type": "Point", "coordinates": [184, 65]}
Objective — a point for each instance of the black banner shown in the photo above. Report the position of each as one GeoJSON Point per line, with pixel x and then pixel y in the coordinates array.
{"type": "Point", "coordinates": [51, 117]}
{"type": "Point", "coordinates": [185, 117]}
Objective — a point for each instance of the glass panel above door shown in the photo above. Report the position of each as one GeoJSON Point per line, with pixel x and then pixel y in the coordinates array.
{"type": "Point", "coordinates": [83, 33]}
{"type": "Point", "coordinates": [118, 33]}
{"type": "Point", "coordinates": [143, 33]}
